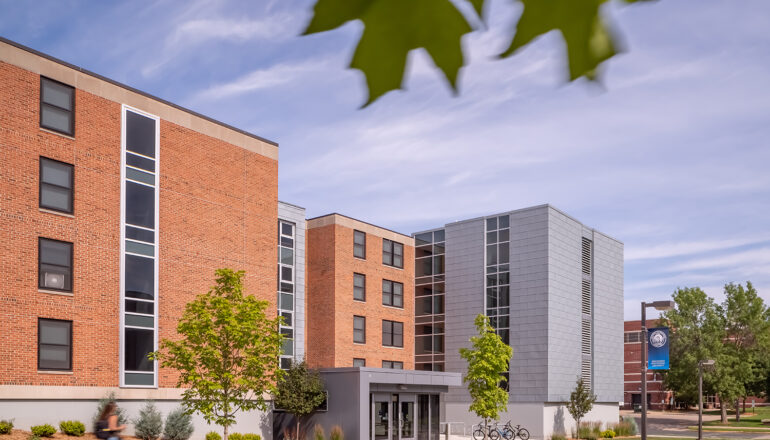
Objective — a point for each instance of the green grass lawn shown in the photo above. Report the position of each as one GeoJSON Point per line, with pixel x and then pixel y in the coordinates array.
{"type": "Point", "coordinates": [753, 421]}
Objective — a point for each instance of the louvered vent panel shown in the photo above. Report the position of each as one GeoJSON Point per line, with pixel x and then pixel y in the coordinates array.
{"type": "Point", "coordinates": [586, 298]}
{"type": "Point", "coordinates": [585, 338]}
{"type": "Point", "coordinates": [585, 373]}
{"type": "Point", "coordinates": [587, 245]}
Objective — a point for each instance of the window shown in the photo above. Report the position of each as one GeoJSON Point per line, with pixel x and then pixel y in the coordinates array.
{"type": "Point", "coordinates": [393, 365]}
{"type": "Point", "coordinates": [632, 337]}
{"type": "Point", "coordinates": [57, 106]}
{"type": "Point", "coordinates": [54, 345]}
{"type": "Point", "coordinates": [359, 287]}
{"type": "Point", "coordinates": [392, 294]}
{"type": "Point", "coordinates": [392, 334]}
{"type": "Point", "coordinates": [358, 362]}
{"type": "Point", "coordinates": [359, 244]}
{"type": "Point", "coordinates": [392, 253]}
{"type": "Point", "coordinates": [359, 329]}
{"type": "Point", "coordinates": [56, 182]}
{"type": "Point", "coordinates": [54, 265]}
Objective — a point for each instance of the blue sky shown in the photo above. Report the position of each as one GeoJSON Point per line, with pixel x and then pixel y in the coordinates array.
{"type": "Point", "coordinates": [670, 156]}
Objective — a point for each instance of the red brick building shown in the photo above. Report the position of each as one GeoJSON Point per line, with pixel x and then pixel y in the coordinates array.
{"type": "Point", "coordinates": [359, 294]}
{"type": "Point", "coordinates": [657, 397]}
{"type": "Point", "coordinates": [115, 209]}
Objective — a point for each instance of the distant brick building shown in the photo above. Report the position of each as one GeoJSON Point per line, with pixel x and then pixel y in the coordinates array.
{"type": "Point", "coordinates": [657, 397]}
{"type": "Point", "coordinates": [360, 295]}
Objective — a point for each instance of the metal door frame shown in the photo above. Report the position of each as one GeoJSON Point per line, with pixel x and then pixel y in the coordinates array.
{"type": "Point", "coordinates": [382, 398]}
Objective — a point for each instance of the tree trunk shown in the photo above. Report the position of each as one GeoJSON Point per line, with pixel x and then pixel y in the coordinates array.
{"type": "Point", "coordinates": [297, 437]}
{"type": "Point", "coordinates": [737, 410]}
{"type": "Point", "coordinates": [723, 410]}
{"type": "Point", "coordinates": [225, 432]}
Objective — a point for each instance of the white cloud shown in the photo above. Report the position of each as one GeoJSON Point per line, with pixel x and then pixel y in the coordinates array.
{"type": "Point", "coordinates": [269, 77]}
{"type": "Point", "coordinates": [194, 31]}
{"type": "Point", "coordinates": [676, 249]}
{"type": "Point", "coordinates": [751, 258]}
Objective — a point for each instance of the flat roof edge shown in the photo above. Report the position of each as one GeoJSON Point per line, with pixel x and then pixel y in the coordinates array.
{"type": "Point", "coordinates": [134, 90]}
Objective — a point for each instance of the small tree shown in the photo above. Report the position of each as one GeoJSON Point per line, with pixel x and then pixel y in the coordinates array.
{"type": "Point", "coordinates": [149, 424]}
{"type": "Point", "coordinates": [488, 359]}
{"type": "Point", "coordinates": [300, 392]}
{"type": "Point", "coordinates": [580, 402]}
{"type": "Point", "coordinates": [227, 354]}
{"type": "Point", "coordinates": [120, 412]}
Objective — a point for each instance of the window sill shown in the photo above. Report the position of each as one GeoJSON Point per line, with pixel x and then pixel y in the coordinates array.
{"type": "Point", "coordinates": [55, 292]}
{"type": "Point", "coordinates": [50, 211]}
{"type": "Point", "coordinates": [392, 346]}
{"type": "Point", "coordinates": [54, 372]}
{"type": "Point", "coordinates": [359, 300]}
{"type": "Point", "coordinates": [393, 307]}
{"type": "Point", "coordinates": [359, 343]}
{"type": "Point", "coordinates": [393, 267]}
{"type": "Point", "coordinates": [359, 258]}
{"type": "Point", "coordinates": [57, 133]}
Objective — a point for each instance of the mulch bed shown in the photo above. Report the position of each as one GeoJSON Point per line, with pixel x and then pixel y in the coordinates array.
{"type": "Point", "coordinates": [18, 434]}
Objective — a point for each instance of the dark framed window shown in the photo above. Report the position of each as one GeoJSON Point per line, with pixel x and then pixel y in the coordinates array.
{"type": "Point", "coordinates": [359, 329]}
{"type": "Point", "coordinates": [359, 244]}
{"type": "Point", "coordinates": [392, 294]}
{"type": "Point", "coordinates": [54, 264]}
{"type": "Point", "coordinates": [392, 253]}
{"type": "Point", "coordinates": [392, 334]}
{"type": "Point", "coordinates": [358, 362]}
{"type": "Point", "coordinates": [57, 106]}
{"type": "Point", "coordinates": [359, 287]}
{"type": "Point", "coordinates": [56, 184]}
{"type": "Point", "coordinates": [396, 365]}
{"type": "Point", "coordinates": [54, 344]}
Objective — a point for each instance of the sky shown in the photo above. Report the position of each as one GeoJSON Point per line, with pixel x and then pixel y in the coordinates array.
{"type": "Point", "coordinates": [669, 154]}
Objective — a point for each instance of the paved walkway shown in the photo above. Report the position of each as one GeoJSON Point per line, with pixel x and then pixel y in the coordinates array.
{"type": "Point", "coordinates": [675, 424]}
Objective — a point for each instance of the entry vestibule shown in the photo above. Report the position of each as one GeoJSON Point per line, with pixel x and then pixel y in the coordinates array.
{"type": "Point", "coordinates": [404, 416]}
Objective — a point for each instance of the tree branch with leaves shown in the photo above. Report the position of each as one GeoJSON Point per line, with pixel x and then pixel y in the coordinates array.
{"type": "Point", "coordinates": [227, 353]}
{"type": "Point", "coordinates": [489, 358]}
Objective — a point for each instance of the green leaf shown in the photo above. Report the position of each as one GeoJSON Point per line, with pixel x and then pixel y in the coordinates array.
{"type": "Point", "coordinates": [393, 28]}
{"type": "Point", "coordinates": [589, 41]}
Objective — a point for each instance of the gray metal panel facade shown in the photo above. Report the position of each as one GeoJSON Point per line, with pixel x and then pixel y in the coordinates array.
{"type": "Point", "coordinates": [608, 309]}
{"type": "Point", "coordinates": [296, 215]}
{"type": "Point", "coordinates": [546, 279]}
{"type": "Point", "coordinates": [464, 294]}
{"type": "Point", "coordinates": [529, 305]}
{"type": "Point", "coordinates": [564, 315]}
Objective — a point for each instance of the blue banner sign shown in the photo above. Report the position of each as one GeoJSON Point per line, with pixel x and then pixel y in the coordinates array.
{"type": "Point", "coordinates": [657, 348]}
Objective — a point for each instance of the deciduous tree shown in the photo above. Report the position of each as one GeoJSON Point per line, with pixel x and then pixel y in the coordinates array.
{"type": "Point", "coordinates": [300, 392]}
{"type": "Point", "coordinates": [581, 400]}
{"type": "Point", "coordinates": [227, 353]}
{"type": "Point", "coordinates": [488, 359]}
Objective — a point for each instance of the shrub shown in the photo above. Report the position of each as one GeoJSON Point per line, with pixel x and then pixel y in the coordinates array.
{"type": "Point", "coordinates": [632, 422]}
{"type": "Point", "coordinates": [336, 433]}
{"type": "Point", "coordinates": [122, 418]}
{"type": "Point", "coordinates": [6, 426]}
{"type": "Point", "coordinates": [149, 424]}
{"type": "Point", "coordinates": [608, 434]}
{"type": "Point", "coordinates": [72, 427]}
{"type": "Point", "coordinates": [235, 436]}
{"type": "Point", "coordinates": [43, 430]}
{"type": "Point", "coordinates": [251, 437]}
{"type": "Point", "coordinates": [319, 433]}
{"type": "Point", "coordinates": [214, 436]}
{"type": "Point", "coordinates": [178, 425]}
{"type": "Point", "coordinates": [558, 437]}
{"type": "Point", "coordinates": [33, 437]}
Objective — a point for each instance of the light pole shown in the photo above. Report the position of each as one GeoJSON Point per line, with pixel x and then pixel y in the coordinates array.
{"type": "Point", "coordinates": [657, 305]}
{"type": "Point", "coordinates": [708, 364]}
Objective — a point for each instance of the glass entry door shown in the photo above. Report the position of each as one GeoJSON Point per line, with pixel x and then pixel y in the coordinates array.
{"type": "Point", "coordinates": [382, 415]}
{"type": "Point", "coordinates": [407, 412]}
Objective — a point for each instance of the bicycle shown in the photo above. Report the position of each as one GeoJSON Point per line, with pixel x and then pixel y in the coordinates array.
{"type": "Point", "coordinates": [493, 432]}
{"type": "Point", "coordinates": [515, 431]}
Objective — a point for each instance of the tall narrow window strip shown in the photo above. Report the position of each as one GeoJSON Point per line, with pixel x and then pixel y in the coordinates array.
{"type": "Point", "coordinates": [139, 264]}
{"type": "Point", "coordinates": [55, 265]}
{"type": "Point", "coordinates": [285, 288]}
{"type": "Point", "coordinates": [359, 244]}
{"type": "Point", "coordinates": [57, 106]}
{"type": "Point", "coordinates": [56, 185]}
{"type": "Point", "coordinates": [54, 345]}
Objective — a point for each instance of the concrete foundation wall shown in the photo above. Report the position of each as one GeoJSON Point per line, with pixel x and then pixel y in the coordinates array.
{"type": "Point", "coordinates": [27, 413]}
{"type": "Point", "coordinates": [557, 420]}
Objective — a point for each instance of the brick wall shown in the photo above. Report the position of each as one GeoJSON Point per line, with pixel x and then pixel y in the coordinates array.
{"type": "Point", "coordinates": [331, 307]}
{"type": "Point", "coordinates": [218, 208]}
